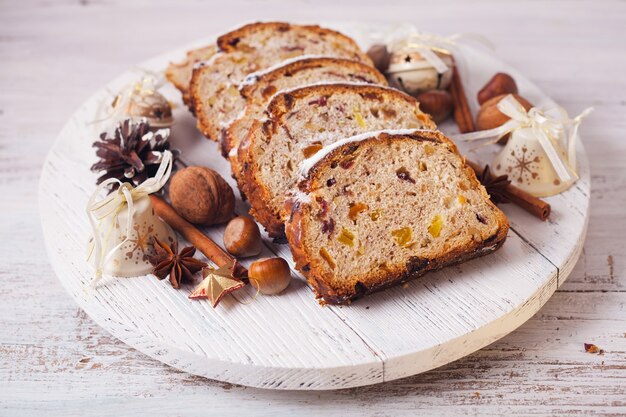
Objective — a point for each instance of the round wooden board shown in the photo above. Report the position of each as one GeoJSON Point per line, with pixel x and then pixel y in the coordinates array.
{"type": "Point", "coordinates": [289, 341]}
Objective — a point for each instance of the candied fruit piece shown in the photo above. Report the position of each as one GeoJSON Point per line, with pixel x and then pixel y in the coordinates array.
{"type": "Point", "coordinates": [359, 118]}
{"type": "Point", "coordinates": [322, 101]}
{"type": "Point", "coordinates": [404, 175]}
{"type": "Point", "coordinates": [211, 101]}
{"type": "Point", "coordinates": [347, 164]}
{"type": "Point", "coordinates": [375, 215]}
{"type": "Point", "coordinates": [422, 166]}
{"type": "Point", "coordinates": [435, 226]}
{"type": "Point", "coordinates": [361, 250]}
{"type": "Point", "coordinates": [429, 149]}
{"type": "Point", "coordinates": [269, 91]}
{"type": "Point", "coordinates": [326, 256]}
{"type": "Point", "coordinates": [328, 226]}
{"type": "Point", "coordinates": [355, 209]}
{"type": "Point", "coordinates": [290, 55]}
{"type": "Point", "coordinates": [233, 90]}
{"type": "Point", "coordinates": [312, 149]}
{"type": "Point", "coordinates": [389, 112]}
{"type": "Point", "coordinates": [462, 199]}
{"type": "Point", "coordinates": [475, 233]}
{"type": "Point", "coordinates": [346, 237]}
{"type": "Point", "coordinates": [403, 236]}
{"type": "Point", "coordinates": [323, 207]}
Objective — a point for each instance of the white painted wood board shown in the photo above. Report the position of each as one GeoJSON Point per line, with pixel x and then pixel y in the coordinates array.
{"type": "Point", "coordinates": [288, 341]}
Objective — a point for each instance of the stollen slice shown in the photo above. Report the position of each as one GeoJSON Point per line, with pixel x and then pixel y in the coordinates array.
{"type": "Point", "coordinates": [300, 123]}
{"type": "Point", "coordinates": [258, 89]}
{"type": "Point", "coordinates": [179, 73]}
{"type": "Point", "coordinates": [214, 85]}
{"type": "Point", "coordinates": [379, 209]}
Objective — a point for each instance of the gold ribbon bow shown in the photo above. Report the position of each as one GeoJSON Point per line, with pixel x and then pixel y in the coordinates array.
{"type": "Point", "coordinates": [114, 203]}
{"type": "Point", "coordinates": [556, 134]}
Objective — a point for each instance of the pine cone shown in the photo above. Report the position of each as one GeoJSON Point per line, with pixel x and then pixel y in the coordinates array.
{"type": "Point", "coordinates": [133, 154]}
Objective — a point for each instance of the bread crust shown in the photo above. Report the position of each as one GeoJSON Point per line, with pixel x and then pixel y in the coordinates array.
{"type": "Point", "coordinates": [230, 141]}
{"type": "Point", "coordinates": [180, 73]}
{"type": "Point", "coordinates": [257, 193]}
{"type": "Point", "coordinates": [396, 274]}
{"type": "Point", "coordinates": [230, 43]}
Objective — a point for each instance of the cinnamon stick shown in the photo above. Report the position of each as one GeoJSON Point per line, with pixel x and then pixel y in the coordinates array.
{"type": "Point", "coordinates": [198, 239]}
{"type": "Point", "coordinates": [535, 206]}
{"type": "Point", "coordinates": [462, 112]}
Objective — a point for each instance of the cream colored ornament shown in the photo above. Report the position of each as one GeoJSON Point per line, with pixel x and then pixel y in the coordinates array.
{"type": "Point", "coordinates": [124, 223]}
{"type": "Point", "coordinates": [410, 70]}
{"type": "Point", "coordinates": [142, 100]}
{"type": "Point", "coordinates": [148, 104]}
{"type": "Point", "coordinates": [540, 155]}
{"type": "Point", "coordinates": [527, 166]}
{"type": "Point", "coordinates": [421, 61]}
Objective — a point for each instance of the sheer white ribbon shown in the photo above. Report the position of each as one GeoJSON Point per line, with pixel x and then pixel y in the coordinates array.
{"type": "Point", "coordinates": [113, 204]}
{"type": "Point", "coordinates": [556, 134]}
{"type": "Point", "coordinates": [410, 39]}
{"type": "Point", "coordinates": [148, 83]}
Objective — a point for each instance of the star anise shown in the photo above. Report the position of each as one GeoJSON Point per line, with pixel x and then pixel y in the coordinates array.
{"type": "Point", "coordinates": [179, 266]}
{"type": "Point", "coordinates": [133, 154]}
{"type": "Point", "coordinates": [495, 186]}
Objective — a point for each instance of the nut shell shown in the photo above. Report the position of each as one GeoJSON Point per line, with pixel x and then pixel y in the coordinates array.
{"type": "Point", "coordinates": [270, 275]}
{"type": "Point", "coordinates": [499, 84]}
{"type": "Point", "coordinates": [242, 237]}
{"type": "Point", "coordinates": [380, 57]}
{"type": "Point", "coordinates": [489, 116]}
{"type": "Point", "coordinates": [202, 196]}
{"type": "Point", "coordinates": [437, 103]}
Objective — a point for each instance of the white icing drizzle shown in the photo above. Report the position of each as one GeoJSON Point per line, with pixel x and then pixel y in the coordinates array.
{"type": "Point", "coordinates": [300, 197]}
{"type": "Point", "coordinates": [208, 61]}
{"type": "Point", "coordinates": [306, 165]}
{"type": "Point", "coordinates": [253, 77]}
{"type": "Point", "coordinates": [349, 83]}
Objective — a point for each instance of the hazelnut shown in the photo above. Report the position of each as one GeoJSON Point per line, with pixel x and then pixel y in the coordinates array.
{"type": "Point", "coordinates": [201, 196]}
{"type": "Point", "coordinates": [380, 57]}
{"type": "Point", "coordinates": [242, 237]}
{"type": "Point", "coordinates": [437, 103]}
{"type": "Point", "coordinates": [270, 275]}
{"type": "Point", "coordinates": [490, 117]}
{"type": "Point", "coordinates": [499, 84]}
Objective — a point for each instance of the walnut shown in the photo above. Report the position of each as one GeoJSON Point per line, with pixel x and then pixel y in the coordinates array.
{"type": "Point", "coordinates": [202, 196]}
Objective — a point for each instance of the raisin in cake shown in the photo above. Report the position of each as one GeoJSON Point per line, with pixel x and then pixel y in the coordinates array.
{"type": "Point", "coordinates": [302, 121]}
{"type": "Point", "coordinates": [378, 210]}
{"type": "Point", "coordinates": [214, 84]}
{"type": "Point", "coordinates": [258, 88]}
{"type": "Point", "coordinates": [179, 73]}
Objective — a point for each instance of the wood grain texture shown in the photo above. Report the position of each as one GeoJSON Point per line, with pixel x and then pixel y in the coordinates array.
{"type": "Point", "coordinates": [49, 347]}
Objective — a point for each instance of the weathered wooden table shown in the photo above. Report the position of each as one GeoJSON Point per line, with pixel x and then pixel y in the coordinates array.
{"type": "Point", "coordinates": [55, 361]}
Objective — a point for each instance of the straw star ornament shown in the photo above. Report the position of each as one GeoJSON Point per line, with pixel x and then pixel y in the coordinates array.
{"type": "Point", "coordinates": [216, 284]}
